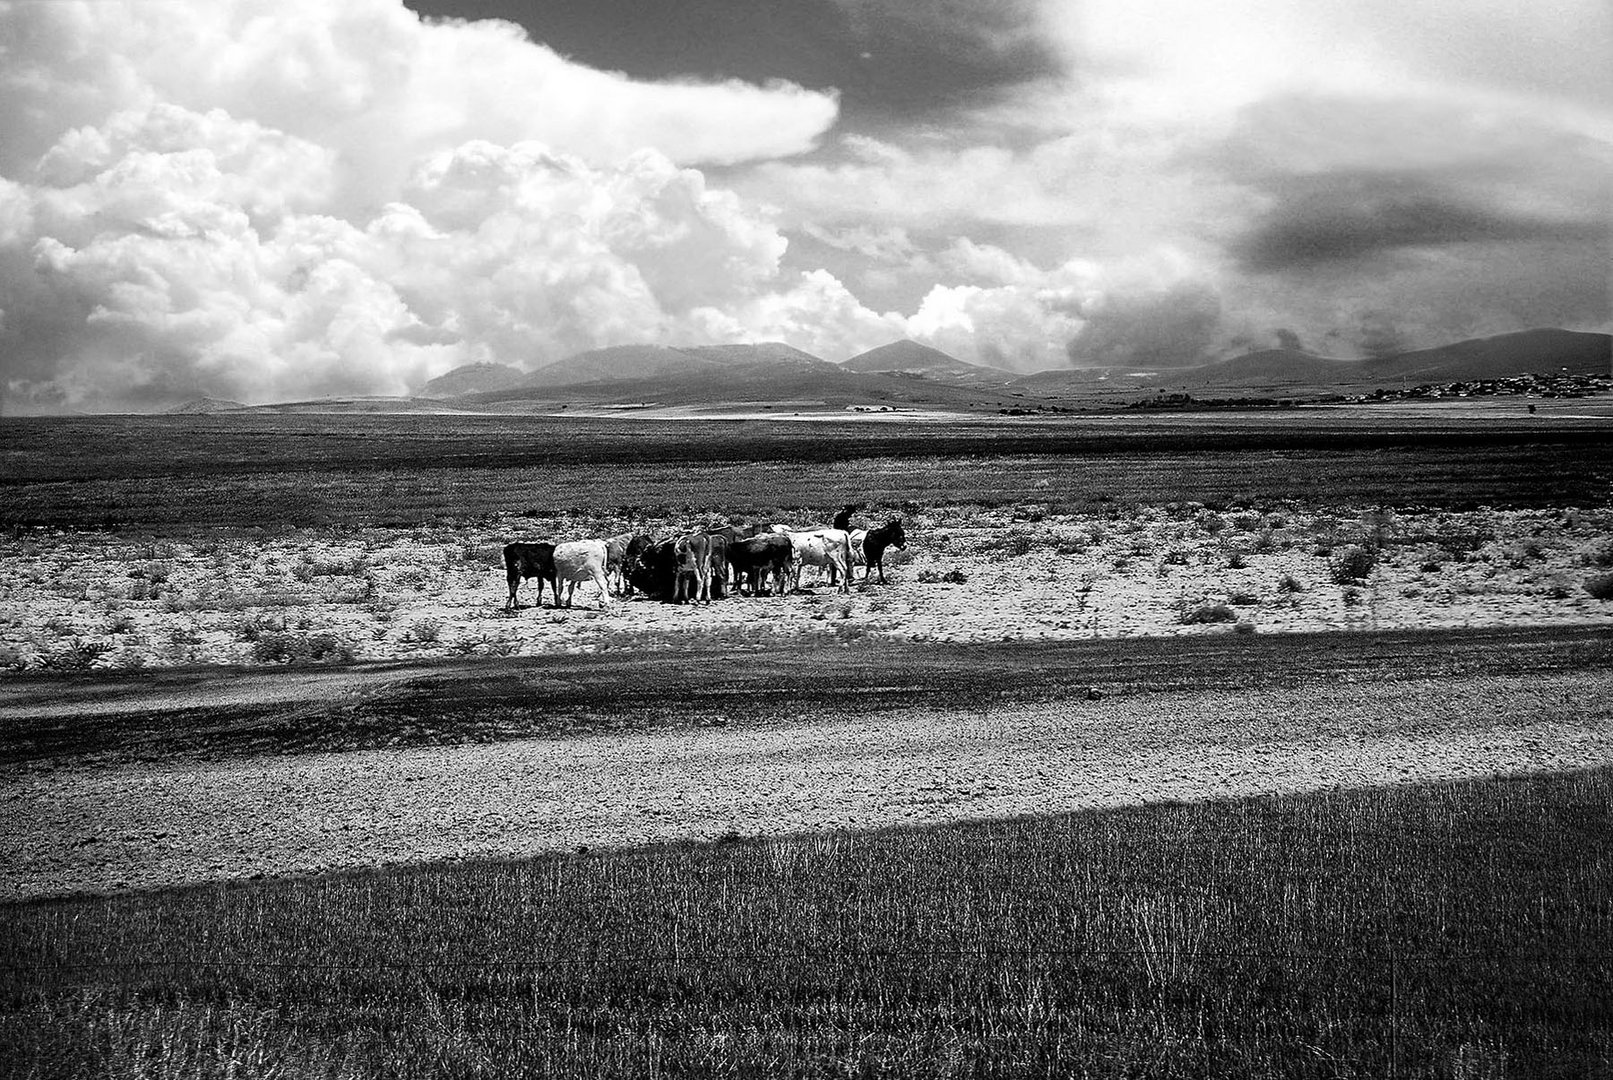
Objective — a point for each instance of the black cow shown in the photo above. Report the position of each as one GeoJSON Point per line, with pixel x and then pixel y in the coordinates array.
{"type": "Point", "coordinates": [522, 561]}
{"type": "Point", "coordinates": [648, 566]}
{"type": "Point", "coordinates": [874, 544]}
{"type": "Point", "coordinates": [759, 558]}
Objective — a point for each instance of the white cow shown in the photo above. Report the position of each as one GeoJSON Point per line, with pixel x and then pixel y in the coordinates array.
{"type": "Point", "coordinates": [578, 561]}
{"type": "Point", "coordinates": [856, 537]}
{"type": "Point", "coordinates": [829, 548]}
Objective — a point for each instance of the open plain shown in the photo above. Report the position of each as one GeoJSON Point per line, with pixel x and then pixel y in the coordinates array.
{"type": "Point", "coordinates": [246, 648]}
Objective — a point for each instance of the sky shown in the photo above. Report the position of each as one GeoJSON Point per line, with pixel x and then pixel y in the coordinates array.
{"type": "Point", "coordinates": [269, 200]}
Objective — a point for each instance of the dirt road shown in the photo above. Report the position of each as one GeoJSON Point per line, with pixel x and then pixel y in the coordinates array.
{"type": "Point", "coordinates": [113, 823]}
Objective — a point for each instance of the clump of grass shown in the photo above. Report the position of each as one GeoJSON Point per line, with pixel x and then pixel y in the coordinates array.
{"type": "Point", "coordinates": [286, 647]}
{"type": "Point", "coordinates": [1210, 613]}
{"type": "Point", "coordinates": [1013, 543]}
{"type": "Point", "coordinates": [425, 631]}
{"type": "Point", "coordinates": [1243, 599]}
{"type": "Point", "coordinates": [1600, 586]}
{"type": "Point", "coordinates": [1288, 583]}
{"type": "Point", "coordinates": [1236, 561]}
{"type": "Point", "coordinates": [1598, 555]}
{"type": "Point", "coordinates": [951, 577]}
{"type": "Point", "coordinates": [1351, 563]}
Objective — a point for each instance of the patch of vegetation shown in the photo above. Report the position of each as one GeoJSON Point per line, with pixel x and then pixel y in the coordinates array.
{"type": "Point", "coordinates": [1352, 563]}
{"type": "Point", "coordinates": [1428, 930]}
{"type": "Point", "coordinates": [1600, 586]}
{"type": "Point", "coordinates": [287, 647]}
{"type": "Point", "coordinates": [1210, 613]}
{"type": "Point", "coordinates": [950, 577]}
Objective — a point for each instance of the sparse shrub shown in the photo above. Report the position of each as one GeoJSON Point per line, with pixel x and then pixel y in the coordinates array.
{"type": "Point", "coordinates": [1457, 545]}
{"type": "Point", "coordinates": [1014, 542]}
{"type": "Point", "coordinates": [1430, 567]}
{"type": "Point", "coordinates": [1288, 583]}
{"type": "Point", "coordinates": [412, 578]}
{"type": "Point", "coordinates": [77, 656]}
{"type": "Point", "coordinates": [1175, 557]}
{"type": "Point", "coordinates": [1600, 586]}
{"type": "Point", "coordinates": [425, 631]}
{"type": "Point", "coordinates": [1236, 561]}
{"type": "Point", "coordinates": [1557, 590]}
{"type": "Point", "coordinates": [1213, 523]}
{"type": "Point", "coordinates": [1600, 555]}
{"type": "Point", "coordinates": [1243, 599]}
{"type": "Point", "coordinates": [12, 658]}
{"type": "Point", "coordinates": [1352, 563]}
{"type": "Point", "coordinates": [1265, 543]}
{"type": "Point", "coordinates": [282, 647]}
{"type": "Point", "coordinates": [1246, 522]}
{"type": "Point", "coordinates": [1210, 613]}
{"type": "Point", "coordinates": [1352, 597]}
{"type": "Point", "coordinates": [1243, 628]}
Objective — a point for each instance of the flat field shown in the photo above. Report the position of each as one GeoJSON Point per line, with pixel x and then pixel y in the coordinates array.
{"type": "Point", "coordinates": [1175, 745]}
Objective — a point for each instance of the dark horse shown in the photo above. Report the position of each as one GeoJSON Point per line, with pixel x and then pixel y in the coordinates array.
{"type": "Point", "coordinates": [874, 544]}
{"type": "Point", "coordinates": [522, 561]}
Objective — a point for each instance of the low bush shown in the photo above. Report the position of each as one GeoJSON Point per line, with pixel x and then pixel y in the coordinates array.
{"type": "Point", "coordinates": [1600, 586]}
{"type": "Point", "coordinates": [282, 647]}
{"type": "Point", "coordinates": [951, 577]}
{"type": "Point", "coordinates": [1600, 555]}
{"type": "Point", "coordinates": [425, 631]}
{"type": "Point", "coordinates": [1351, 563]}
{"type": "Point", "coordinates": [1210, 613]}
{"type": "Point", "coordinates": [1288, 583]}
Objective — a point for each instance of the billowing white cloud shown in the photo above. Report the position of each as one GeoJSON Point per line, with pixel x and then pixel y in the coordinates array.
{"type": "Point", "coordinates": [265, 200]}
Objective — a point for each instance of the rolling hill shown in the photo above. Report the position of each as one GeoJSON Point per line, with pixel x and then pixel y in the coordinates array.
{"type": "Point", "coordinates": [911, 357]}
{"type": "Point", "coordinates": [473, 379]}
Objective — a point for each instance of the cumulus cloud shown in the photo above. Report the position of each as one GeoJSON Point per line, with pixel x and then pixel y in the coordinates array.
{"type": "Point", "coordinates": [261, 200]}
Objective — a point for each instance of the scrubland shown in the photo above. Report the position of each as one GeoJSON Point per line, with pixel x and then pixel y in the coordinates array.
{"type": "Point", "coordinates": [1094, 786]}
{"type": "Point", "coordinates": [971, 573]}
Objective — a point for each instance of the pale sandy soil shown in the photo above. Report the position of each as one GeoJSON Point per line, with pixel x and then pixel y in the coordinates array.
{"type": "Point", "coordinates": [74, 600]}
{"type": "Point", "coordinates": [133, 826]}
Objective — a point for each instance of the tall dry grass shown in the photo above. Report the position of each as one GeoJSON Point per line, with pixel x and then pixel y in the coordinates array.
{"type": "Point", "coordinates": [1446, 930]}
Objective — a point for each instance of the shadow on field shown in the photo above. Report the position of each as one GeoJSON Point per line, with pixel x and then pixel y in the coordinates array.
{"type": "Point", "coordinates": [213, 713]}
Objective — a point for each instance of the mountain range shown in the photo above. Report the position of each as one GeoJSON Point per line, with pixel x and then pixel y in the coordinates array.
{"type": "Point", "coordinates": [906, 374]}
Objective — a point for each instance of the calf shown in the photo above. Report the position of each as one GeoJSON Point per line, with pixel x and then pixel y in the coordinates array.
{"type": "Point", "coordinates": [522, 561]}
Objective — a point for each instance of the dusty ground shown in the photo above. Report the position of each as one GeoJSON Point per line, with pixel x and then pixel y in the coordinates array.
{"type": "Point", "coordinates": [74, 601]}
{"type": "Point", "coordinates": [133, 825]}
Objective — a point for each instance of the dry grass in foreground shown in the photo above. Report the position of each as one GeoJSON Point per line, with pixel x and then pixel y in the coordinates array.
{"type": "Point", "coordinates": [1442, 930]}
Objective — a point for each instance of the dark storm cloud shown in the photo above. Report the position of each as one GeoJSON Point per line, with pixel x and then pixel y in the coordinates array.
{"type": "Point", "coordinates": [1354, 217]}
{"type": "Point", "coordinates": [888, 58]}
{"type": "Point", "coordinates": [1174, 327]}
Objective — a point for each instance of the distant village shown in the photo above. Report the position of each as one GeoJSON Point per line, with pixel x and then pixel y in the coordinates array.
{"type": "Point", "coordinates": [1561, 385]}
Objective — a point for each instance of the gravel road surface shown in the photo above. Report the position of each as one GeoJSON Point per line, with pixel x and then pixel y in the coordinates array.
{"type": "Point", "coordinates": [124, 824]}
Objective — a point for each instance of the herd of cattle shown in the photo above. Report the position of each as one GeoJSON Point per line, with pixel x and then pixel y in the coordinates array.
{"type": "Point", "coordinates": [705, 564]}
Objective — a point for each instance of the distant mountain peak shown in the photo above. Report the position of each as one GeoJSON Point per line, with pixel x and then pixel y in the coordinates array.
{"type": "Point", "coordinates": [908, 355]}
